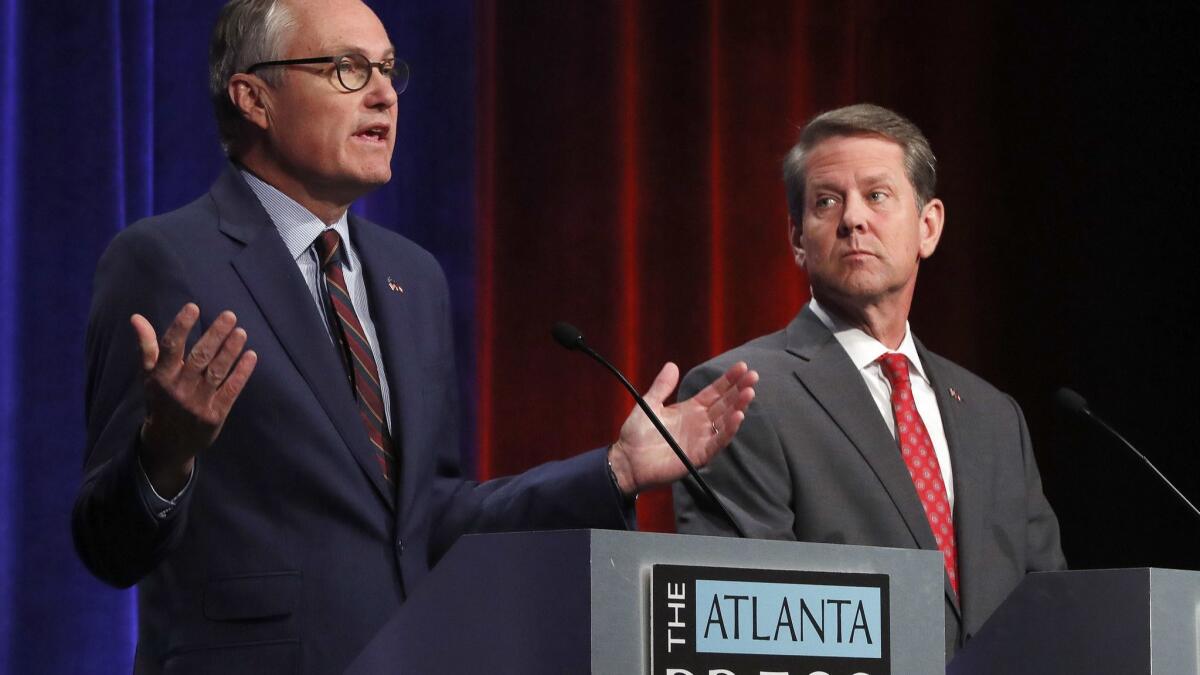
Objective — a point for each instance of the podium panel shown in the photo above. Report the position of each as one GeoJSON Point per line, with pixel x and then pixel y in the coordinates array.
{"type": "Point", "coordinates": [579, 601]}
{"type": "Point", "coordinates": [1093, 622]}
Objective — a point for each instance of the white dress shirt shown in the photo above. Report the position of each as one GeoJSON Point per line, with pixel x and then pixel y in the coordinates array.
{"type": "Point", "coordinates": [864, 351]}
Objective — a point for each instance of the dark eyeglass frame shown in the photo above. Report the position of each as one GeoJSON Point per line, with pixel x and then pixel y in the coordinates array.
{"type": "Point", "coordinates": [397, 72]}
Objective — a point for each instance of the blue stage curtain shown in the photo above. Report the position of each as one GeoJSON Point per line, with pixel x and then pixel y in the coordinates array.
{"type": "Point", "coordinates": [105, 119]}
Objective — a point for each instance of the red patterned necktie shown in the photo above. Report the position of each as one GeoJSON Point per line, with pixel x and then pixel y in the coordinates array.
{"type": "Point", "coordinates": [355, 351]}
{"type": "Point", "coordinates": [917, 450]}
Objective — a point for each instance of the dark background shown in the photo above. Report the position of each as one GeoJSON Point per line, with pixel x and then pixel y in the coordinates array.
{"type": "Point", "coordinates": [617, 164]}
{"type": "Point", "coordinates": [1065, 141]}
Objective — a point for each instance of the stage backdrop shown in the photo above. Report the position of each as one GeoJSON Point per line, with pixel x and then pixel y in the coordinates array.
{"type": "Point", "coordinates": [106, 119]}
{"type": "Point", "coordinates": [616, 164]}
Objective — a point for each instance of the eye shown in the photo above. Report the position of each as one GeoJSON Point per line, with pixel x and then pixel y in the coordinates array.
{"type": "Point", "coordinates": [388, 68]}
{"type": "Point", "coordinates": [824, 203]}
{"type": "Point", "coordinates": [877, 195]}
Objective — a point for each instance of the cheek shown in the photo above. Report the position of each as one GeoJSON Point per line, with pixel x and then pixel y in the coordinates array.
{"type": "Point", "coordinates": [817, 240]}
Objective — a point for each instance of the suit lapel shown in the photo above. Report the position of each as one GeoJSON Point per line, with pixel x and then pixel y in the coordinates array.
{"type": "Point", "coordinates": [831, 378]}
{"type": "Point", "coordinates": [971, 470]}
{"type": "Point", "coordinates": [272, 278]}
{"type": "Point", "coordinates": [392, 313]}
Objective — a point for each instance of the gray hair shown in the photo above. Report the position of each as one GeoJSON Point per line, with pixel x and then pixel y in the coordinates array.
{"type": "Point", "coordinates": [247, 32]}
{"type": "Point", "coordinates": [863, 119]}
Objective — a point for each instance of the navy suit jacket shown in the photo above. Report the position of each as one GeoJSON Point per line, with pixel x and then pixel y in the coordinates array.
{"type": "Point", "coordinates": [289, 549]}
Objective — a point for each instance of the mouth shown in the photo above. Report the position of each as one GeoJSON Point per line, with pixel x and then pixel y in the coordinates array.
{"type": "Point", "coordinates": [858, 254]}
{"type": "Point", "coordinates": [374, 133]}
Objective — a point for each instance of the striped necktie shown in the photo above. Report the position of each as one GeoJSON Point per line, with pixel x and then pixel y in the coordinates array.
{"type": "Point", "coordinates": [355, 351]}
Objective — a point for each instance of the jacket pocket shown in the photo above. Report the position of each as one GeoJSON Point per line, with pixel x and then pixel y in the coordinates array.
{"type": "Point", "coordinates": [252, 596]}
{"type": "Point", "coordinates": [238, 659]}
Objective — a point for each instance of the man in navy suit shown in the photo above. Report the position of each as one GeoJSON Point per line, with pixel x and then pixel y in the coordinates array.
{"type": "Point", "coordinates": [278, 485]}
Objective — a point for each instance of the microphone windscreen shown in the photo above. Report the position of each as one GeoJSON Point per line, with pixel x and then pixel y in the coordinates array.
{"type": "Point", "coordinates": [567, 335]}
{"type": "Point", "coordinates": [1071, 400]}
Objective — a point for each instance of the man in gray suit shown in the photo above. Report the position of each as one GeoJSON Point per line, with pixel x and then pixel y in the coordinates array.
{"type": "Point", "coordinates": [859, 435]}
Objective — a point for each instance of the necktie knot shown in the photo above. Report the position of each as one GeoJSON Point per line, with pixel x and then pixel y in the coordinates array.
{"type": "Point", "coordinates": [895, 367]}
{"type": "Point", "coordinates": [329, 247]}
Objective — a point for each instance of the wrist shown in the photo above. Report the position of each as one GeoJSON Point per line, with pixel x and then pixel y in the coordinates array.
{"type": "Point", "coordinates": [166, 476]}
{"type": "Point", "coordinates": [621, 470]}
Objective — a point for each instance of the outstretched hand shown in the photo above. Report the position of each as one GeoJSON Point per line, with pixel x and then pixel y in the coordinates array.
{"type": "Point", "coordinates": [702, 425]}
{"type": "Point", "coordinates": [187, 401]}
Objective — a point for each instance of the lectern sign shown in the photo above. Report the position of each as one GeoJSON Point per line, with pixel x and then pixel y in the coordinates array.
{"type": "Point", "coordinates": [727, 621]}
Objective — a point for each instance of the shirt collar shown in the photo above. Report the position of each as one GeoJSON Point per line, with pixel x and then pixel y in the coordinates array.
{"type": "Point", "coordinates": [297, 225]}
{"type": "Point", "coordinates": [864, 351]}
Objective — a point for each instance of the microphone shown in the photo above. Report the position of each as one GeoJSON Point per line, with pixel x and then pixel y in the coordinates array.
{"type": "Point", "coordinates": [1075, 403]}
{"type": "Point", "coordinates": [569, 337]}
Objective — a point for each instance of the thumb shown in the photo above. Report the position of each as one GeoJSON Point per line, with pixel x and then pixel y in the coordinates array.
{"type": "Point", "coordinates": [664, 383]}
{"type": "Point", "coordinates": [147, 340]}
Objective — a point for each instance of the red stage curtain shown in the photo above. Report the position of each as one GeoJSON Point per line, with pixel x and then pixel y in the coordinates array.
{"type": "Point", "coordinates": [630, 183]}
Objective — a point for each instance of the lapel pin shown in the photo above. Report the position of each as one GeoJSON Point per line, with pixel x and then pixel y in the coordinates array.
{"type": "Point", "coordinates": [954, 394]}
{"type": "Point", "coordinates": [396, 288]}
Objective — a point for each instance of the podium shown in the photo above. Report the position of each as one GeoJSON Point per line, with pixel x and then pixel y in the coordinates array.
{"type": "Point", "coordinates": [579, 601]}
{"type": "Point", "coordinates": [1098, 622]}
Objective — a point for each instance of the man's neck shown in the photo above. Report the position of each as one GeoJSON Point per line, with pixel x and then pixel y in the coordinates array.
{"type": "Point", "coordinates": [884, 321]}
{"type": "Point", "coordinates": [328, 209]}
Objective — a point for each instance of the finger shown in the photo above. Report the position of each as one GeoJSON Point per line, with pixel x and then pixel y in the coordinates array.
{"type": "Point", "coordinates": [216, 372]}
{"type": "Point", "coordinates": [727, 428]}
{"type": "Point", "coordinates": [744, 389]}
{"type": "Point", "coordinates": [223, 400]}
{"type": "Point", "coordinates": [147, 340]}
{"type": "Point", "coordinates": [207, 347]}
{"type": "Point", "coordinates": [724, 425]}
{"type": "Point", "coordinates": [717, 388]}
{"type": "Point", "coordinates": [664, 384]}
{"type": "Point", "coordinates": [736, 397]}
{"type": "Point", "coordinates": [172, 342]}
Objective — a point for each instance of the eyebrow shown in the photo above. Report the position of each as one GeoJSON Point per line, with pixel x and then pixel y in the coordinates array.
{"type": "Point", "coordinates": [870, 179]}
{"type": "Point", "coordinates": [388, 53]}
{"type": "Point", "coordinates": [877, 178]}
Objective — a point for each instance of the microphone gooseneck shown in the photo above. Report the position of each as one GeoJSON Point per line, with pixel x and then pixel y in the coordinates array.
{"type": "Point", "coordinates": [1072, 401]}
{"type": "Point", "coordinates": [572, 339]}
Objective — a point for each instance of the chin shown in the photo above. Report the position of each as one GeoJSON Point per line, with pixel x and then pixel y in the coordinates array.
{"type": "Point", "coordinates": [861, 287]}
{"type": "Point", "coordinates": [374, 176]}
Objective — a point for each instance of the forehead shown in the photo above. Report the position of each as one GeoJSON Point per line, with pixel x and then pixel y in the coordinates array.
{"type": "Point", "coordinates": [853, 157]}
{"type": "Point", "coordinates": [335, 25]}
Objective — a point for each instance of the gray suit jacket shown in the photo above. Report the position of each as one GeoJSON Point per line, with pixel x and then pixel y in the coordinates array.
{"type": "Point", "coordinates": [814, 461]}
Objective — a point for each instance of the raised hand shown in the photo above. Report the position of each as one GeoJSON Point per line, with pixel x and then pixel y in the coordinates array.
{"type": "Point", "coordinates": [187, 401]}
{"type": "Point", "coordinates": [702, 425]}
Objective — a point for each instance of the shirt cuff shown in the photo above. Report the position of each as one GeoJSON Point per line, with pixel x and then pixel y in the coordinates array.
{"type": "Point", "coordinates": [160, 506]}
{"type": "Point", "coordinates": [627, 502]}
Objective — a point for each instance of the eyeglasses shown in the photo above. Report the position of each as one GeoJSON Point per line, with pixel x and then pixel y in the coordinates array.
{"type": "Point", "coordinates": [353, 70]}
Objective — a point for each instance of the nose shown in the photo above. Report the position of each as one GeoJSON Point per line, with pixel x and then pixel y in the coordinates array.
{"type": "Point", "coordinates": [380, 94]}
{"type": "Point", "coordinates": [855, 216]}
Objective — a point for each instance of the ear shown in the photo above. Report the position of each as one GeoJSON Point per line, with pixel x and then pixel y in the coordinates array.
{"type": "Point", "coordinates": [933, 217]}
{"type": "Point", "coordinates": [795, 232]}
{"type": "Point", "coordinates": [251, 96]}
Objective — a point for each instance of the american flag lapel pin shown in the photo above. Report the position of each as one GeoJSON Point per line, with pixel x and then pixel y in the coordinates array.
{"type": "Point", "coordinates": [954, 394]}
{"type": "Point", "coordinates": [396, 288]}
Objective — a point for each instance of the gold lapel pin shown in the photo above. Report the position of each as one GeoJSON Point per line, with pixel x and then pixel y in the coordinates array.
{"type": "Point", "coordinates": [396, 288]}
